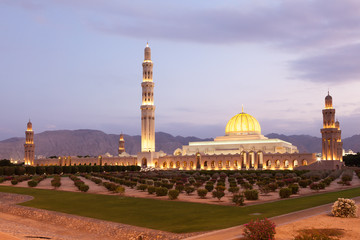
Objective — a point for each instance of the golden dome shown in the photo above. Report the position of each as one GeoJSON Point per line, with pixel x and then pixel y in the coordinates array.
{"type": "Point", "coordinates": [243, 124]}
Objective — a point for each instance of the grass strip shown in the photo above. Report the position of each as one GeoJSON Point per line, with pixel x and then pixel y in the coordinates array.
{"type": "Point", "coordinates": [172, 216]}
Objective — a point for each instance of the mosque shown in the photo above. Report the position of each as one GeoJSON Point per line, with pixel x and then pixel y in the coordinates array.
{"type": "Point", "coordinates": [243, 147]}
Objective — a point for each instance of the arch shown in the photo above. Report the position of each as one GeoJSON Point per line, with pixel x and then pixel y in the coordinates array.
{"type": "Point", "coordinates": [184, 165]}
{"type": "Point", "coordinates": [304, 162]}
{"type": "Point", "coordinates": [286, 164]}
{"type": "Point", "coordinates": [235, 163]}
{"type": "Point", "coordinates": [205, 164]}
{"type": "Point", "coordinates": [213, 164]}
{"type": "Point", "coordinates": [268, 164]}
{"type": "Point", "coordinates": [198, 161]}
{"type": "Point", "coordinates": [171, 165]}
{"type": "Point", "coordinates": [260, 159]}
{"type": "Point", "coordinates": [252, 160]}
{"type": "Point", "coordinates": [295, 163]}
{"type": "Point", "coordinates": [144, 162]}
{"type": "Point", "coordinates": [177, 164]}
{"type": "Point", "coordinates": [277, 163]}
{"type": "Point", "coordinates": [243, 159]}
{"type": "Point", "coordinates": [220, 165]}
{"type": "Point", "coordinates": [227, 163]}
{"type": "Point", "coordinates": [164, 164]}
{"type": "Point", "coordinates": [191, 164]}
{"type": "Point", "coordinates": [156, 164]}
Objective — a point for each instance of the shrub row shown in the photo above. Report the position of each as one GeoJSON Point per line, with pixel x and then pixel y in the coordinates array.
{"type": "Point", "coordinates": [56, 182]}
{"type": "Point", "coordinates": [79, 184]}
{"type": "Point", "coordinates": [18, 179]}
{"type": "Point", "coordinates": [35, 180]}
{"type": "Point", "coordinates": [31, 170]}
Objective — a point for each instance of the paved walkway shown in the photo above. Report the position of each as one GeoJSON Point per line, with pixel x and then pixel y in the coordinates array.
{"type": "Point", "coordinates": [236, 232]}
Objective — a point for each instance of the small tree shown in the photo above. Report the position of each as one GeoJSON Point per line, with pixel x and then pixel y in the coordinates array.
{"type": "Point", "coordinates": [234, 190]}
{"type": "Point", "coordinates": [251, 194]}
{"type": "Point", "coordinates": [189, 190]}
{"type": "Point", "coordinates": [202, 192]}
{"type": "Point", "coordinates": [285, 192]}
{"type": "Point", "coordinates": [151, 189]}
{"type": "Point", "coordinates": [238, 199]}
{"type": "Point", "coordinates": [120, 189]}
{"type": "Point", "coordinates": [218, 194]}
{"type": "Point", "coordinates": [173, 194]}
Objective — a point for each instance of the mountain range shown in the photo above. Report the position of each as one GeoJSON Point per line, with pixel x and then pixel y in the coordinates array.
{"type": "Point", "coordinates": [93, 142]}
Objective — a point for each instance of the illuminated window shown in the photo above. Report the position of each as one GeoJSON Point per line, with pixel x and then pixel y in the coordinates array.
{"type": "Point", "coordinates": [296, 163]}
{"type": "Point", "coordinates": [286, 164]}
{"type": "Point", "coordinates": [277, 163]}
{"type": "Point", "coordinates": [213, 164]}
{"type": "Point", "coordinates": [184, 164]}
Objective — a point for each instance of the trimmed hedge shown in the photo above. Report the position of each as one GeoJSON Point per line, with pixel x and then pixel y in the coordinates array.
{"type": "Point", "coordinates": [49, 170]}
{"type": "Point", "coordinates": [251, 194]}
{"type": "Point", "coordinates": [285, 192]}
{"type": "Point", "coordinates": [161, 191]}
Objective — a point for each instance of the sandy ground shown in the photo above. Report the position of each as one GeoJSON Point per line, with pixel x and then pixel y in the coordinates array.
{"type": "Point", "coordinates": [351, 226]}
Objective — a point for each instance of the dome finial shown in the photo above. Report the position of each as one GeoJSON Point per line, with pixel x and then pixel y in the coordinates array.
{"type": "Point", "coordinates": [147, 43]}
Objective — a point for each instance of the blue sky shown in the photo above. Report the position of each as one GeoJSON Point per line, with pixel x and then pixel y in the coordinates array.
{"type": "Point", "coordinates": [75, 64]}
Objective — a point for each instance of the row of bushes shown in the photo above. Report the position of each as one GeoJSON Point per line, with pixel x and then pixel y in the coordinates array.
{"type": "Point", "coordinates": [18, 179]}
{"type": "Point", "coordinates": [35, 180]}
{"type": "Point", "coordinates": [56, 181]}
{"type": "Point", "coordinates": [79, 183]}
{"type": "Point", "coordinates": [31, 170]}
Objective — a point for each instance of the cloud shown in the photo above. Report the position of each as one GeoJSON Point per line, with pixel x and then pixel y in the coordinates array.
{"type": "Point", "coordinates": [289, 24]}
{"type": "Point", "coordinates": [335, 65]}
{"type": "Point", "coordinates": [319, 30]}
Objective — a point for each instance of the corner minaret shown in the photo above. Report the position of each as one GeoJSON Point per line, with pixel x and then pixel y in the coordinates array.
{"type": "Point", "coordinates": [29, 145]}
{"type": "Point", "coordinates": [147, 107]}
{"type": "Point", "coordinates": [331, 133]}
{"type": "Point", "coordinates": [121, 144]}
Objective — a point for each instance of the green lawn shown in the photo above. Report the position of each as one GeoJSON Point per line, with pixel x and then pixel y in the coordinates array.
{"type": "Point", "coordinates": [172, 216]}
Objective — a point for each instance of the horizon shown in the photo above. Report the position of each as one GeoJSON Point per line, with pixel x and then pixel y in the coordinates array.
{"type": "Point", "coordinates": [77, 65]}
{"type": "Point", "coordinates": [139, 135]}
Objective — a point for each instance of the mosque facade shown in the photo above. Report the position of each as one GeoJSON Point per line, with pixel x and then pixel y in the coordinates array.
{"type": "Point", "coordinates": [243, 147]}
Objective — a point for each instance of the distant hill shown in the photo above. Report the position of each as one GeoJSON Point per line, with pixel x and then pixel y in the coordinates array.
{"type": "Point", "coordinates": [304, 143]}
{"type": "Point", "coordinates": [94, 142]}
{"type": "Point", "coordinates": [87, 142]}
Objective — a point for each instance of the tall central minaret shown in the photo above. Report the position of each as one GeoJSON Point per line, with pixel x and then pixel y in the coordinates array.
{"type": "Point", "coordinates": [147, 107]}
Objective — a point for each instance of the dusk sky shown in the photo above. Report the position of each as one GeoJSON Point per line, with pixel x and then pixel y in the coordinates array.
{"type": "Point", "coordinates": [76, 64]}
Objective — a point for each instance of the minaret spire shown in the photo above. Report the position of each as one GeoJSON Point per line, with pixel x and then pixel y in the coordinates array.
{"type": "Point", "coordinates": [147, 107]}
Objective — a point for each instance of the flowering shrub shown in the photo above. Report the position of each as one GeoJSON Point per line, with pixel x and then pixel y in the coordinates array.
{"type": "Point", "coordinates": [344, 208]}
{"type": "Point", "coordinates": [260, 229]}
